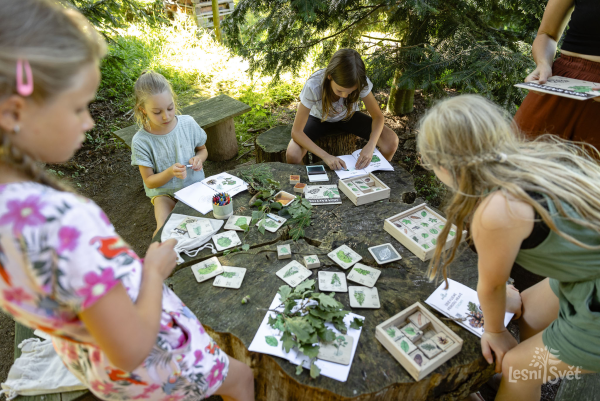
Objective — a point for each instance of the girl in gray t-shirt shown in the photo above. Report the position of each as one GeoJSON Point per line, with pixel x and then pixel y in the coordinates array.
{"type": "Point", "coordinates": [168, 149]}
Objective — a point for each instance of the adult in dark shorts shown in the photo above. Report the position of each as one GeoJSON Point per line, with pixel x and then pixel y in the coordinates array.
{"type": "Point", "coordinates": [329, 103]}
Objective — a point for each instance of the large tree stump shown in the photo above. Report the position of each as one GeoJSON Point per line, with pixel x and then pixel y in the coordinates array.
{"type": "Point", "coordinates": [222, 142]}
{"type": "Point", "coordinates": [272, 144]}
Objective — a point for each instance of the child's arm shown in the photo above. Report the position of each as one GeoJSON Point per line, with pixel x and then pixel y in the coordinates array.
{"type": "Point", "coordinates": [305, 142]}
{"type": "Point", "coordinates": [127, 331]}
{"type": "Point", "coordinates": [376, 127]}
{"type": "Point", "coordinates": [201, 155]}
{"type": "Point", "coordinates": [153, 180]}
{"type": "Point", "coordinates": [499, 228]}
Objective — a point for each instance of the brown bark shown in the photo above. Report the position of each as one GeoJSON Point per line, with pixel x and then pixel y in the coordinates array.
{"type": "Point", "coordinates": [222, 142]}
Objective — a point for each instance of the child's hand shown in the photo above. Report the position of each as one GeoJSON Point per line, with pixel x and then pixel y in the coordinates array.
{"type": "Point", "coordinates": [496, 345]}
{"type": "Point", "coordinates": [179, 171]}
{"type": "Point", "coordinates": [364, 159]}
{"type": "Point", "coordinates": [161, 258]}
{"type": "Point", "coordinates": [196, 163]}
{"type": "Point", "coordinates": [334, 163]}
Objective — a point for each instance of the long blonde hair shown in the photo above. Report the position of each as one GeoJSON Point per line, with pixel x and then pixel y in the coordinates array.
{"type": "Point", "coordinates": [150, 83]}
{"type": "Point", "coordinates": [479, 144]}
{"type": "Point", "coordinates": [347, 69]}
{"type": "Point", "coordinates": [56, 41]}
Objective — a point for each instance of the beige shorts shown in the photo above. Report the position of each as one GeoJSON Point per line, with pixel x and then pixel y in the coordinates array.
{"type": "Point", "coordinates": [157, 196]}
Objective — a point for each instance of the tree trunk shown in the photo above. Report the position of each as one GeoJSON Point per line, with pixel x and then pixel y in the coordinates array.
{"type": "Point", "coordinates": [222, 142]}
{"type": "Point", "coordinates": [401, 99]}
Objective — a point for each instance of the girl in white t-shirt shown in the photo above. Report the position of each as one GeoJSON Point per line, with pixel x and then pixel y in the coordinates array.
{"type": "Point", "coordinates": [329, 102]}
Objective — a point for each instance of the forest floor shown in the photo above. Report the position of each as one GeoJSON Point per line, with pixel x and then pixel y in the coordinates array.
{"type": "Point", "coordinates": [105, 175]}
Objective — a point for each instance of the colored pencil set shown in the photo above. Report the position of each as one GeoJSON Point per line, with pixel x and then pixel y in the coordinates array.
{"type": "Point", "coordinates": [221, 199]}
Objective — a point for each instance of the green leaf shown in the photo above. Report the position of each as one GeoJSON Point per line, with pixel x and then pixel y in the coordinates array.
{"type": "Point", "coordinates": [284, 291]}
{"type": "Point", "coordinates": [404, 346]}
{"type": "Point", "coordinates": [300, 327]}
{"type": "Point", "coordinates": [314, 370]}
{"type": "Point", "coordinates": [310, 351]}
{"type": "Point", "coordinates": [261, 229]}
{"type": "Point", "coordinates": [276, 206]}
{"type": "Point", "coordinates": [258, 203]}
{"type": "Point", "coordinates": [272, 341]}
{"type": "Point", "coordinates": [327, 335]}
{"type": "Point", "coordinates": [288, 341]}
{"type": "Point", "coordinates": [244, 227]}
{"type": "Point", "coordinates": [410, 331]}
{"type": "Point", "coordinates": [245, 247]}
{"type": "Point", "coordinates": [357, 323]}
{"type": "Point", "coordinates": [299, 370]}
{"type": "Point", "coordinates": [305, 286]}
{"type": "Point", "coordinates": [327, 301]}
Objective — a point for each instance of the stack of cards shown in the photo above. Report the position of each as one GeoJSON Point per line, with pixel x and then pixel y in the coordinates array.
{"type": "Point", "coordinates": [226, 240]}
{"type": "Point", "coordinates": [332, 281]}
{"type": "Point", "coordinates": [364, 275]}
{"type": "Point", "coordinates": [236, 222]}
{"type": "Point", "coordinates": [231, 277]}
{"type": "Point", "coordinates": [384, 253]}
{"type": "Point", "coordinates": [207, 269]}
{"type": "Point", "coordinates": [182, 227]}
{"type": "Point", "coordinates": [344, 256]}
{"type": "Point", "coordinates": [199, 228]}
{"type": "Point", "coordinates": [364, 297]}
{"type": "Point", "coordinates": [293, 273]}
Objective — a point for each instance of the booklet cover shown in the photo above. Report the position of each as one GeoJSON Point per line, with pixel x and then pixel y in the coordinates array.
{"type": "Point", "coordinates": [199, 195]}
{"type": "Point", "coordinates": [461, 302]}
{"type": "Point", "coordinates": [378, 162]}
{"type": "Point", "coordinates": [566, 87]}
{"type": "Point", "coordinates": [323, 195]}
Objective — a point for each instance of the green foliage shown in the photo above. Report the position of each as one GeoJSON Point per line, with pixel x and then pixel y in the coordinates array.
{"type": "Point", "coordinates": [477, 46]}
{"type": "Point", "coordinates": [302, 321]}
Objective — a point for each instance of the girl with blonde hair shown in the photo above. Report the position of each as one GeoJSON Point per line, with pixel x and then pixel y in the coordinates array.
{"type": "Point", "coordinates": [534, 203]}
{"type": "Point", "coordinates": [63, 268]}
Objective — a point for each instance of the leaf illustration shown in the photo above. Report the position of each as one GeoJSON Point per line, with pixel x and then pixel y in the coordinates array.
{"type": "Point", "coordinates": [241, 221]}
{"type": "Point", "coordinates": [361, 271]}
{"type": "Point", "coordinates": [385, 254]}
{"type": "Point", "coordinates": [425, 225]}
{"type": "Point", "coordinates": [330, 193]}
{"type": "Point", "coordinates": [418, 359]}
{"type": "Point", "coordinates": [424, 235]}
{"type": "Point", "coordinates": [343, 257]}
{"type": "Point", "coordinates": [452, 233]}
{"type": "Point", "coordinates": [433, 231]}
{"type": "Point", "coordinates": [433, 220]}
{"type": "Point", "coordinates": [375, 159]}
{"type": "Point", "coordinates": [207, 269]}
{"type": "Point", "coordinates": [425, 246]}
{"type": "Point", "coordinates": [272, 341]}
{"type": "Point", "coordinates": [428, 347]}
{"type": "Point", "coordinates": [424, 213]}
{"type": "Point", "coordinates": [310, 259]}
{"type": "Point", "coordinates": [224, 242]}
{"type": "Point", "coordinates": [406, 221]}
{"type": "Point", "coordinates": [404, 346]}
{"type": "Point", "coordinates": [270, 223]}
{"type": "Point", "coordinates": [581, 89]}
{"type": "Point", "coordinates": [415, 217]}
{"type": "Point", "coordinates": [228, 274]}
{"type": "Point", "coordinates": [434, 241]}
{"type": "Point", "coordinates": [360, 297]}
{"type": "Point", "coordinates": [391, 332]}
{"type": "Point", "coordinates": [335, 280]}
{"type": "Point", "coordinates": [291, 271]}
{"type": "Point", "coordinates": [410, 331]}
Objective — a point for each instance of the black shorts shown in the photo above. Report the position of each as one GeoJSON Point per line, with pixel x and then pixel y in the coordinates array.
{"type": "Point", "coordinates": [359, 124]}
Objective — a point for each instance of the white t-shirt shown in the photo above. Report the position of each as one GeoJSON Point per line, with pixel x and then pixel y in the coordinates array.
{"type": "Point", "coordinates": [311, 97]}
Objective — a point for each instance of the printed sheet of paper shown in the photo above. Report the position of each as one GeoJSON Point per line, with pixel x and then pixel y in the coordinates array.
{"type": "Point", "coordinates": [332, 281]}
{"type": "Point", "coordinates": [207, 269]}
{"type": "Point", "coordinates": [461, 301]}
{"type": "Point", "coordinates": [231, 277]}
{"type": "Point", "coordinates": [364, 297]}
{"type": "Point", "coordinates": [225, 182]}
{"type": "Point", "coordinates": [364, 275]}
{"type": "Point", "coordinates": [378, 162]}
{"type": "Point", "coordinates": [323, 195]}
{"type": "Point", "coordinates": [268, 341]}
{"type": "Point", "coordinates": [197, 196]}
{"type": "Point", "coordinates": [293, 273]}
{"type": "Point", "coordinates": [563, 86]}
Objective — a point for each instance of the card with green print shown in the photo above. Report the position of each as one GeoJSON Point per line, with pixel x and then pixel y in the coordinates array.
{"type": "Point", "coordinates": [293, 273]}
{"type": "Point", "coordinates": [226, 240]}
{"type": "Point", "coordinates": [207, 269]}
{"type": "Point", "coordinates": [199, 228]}
{"type": "Point", "coordinates": [364, 275]}
{"type": "Point", "coordinates": [270, 224]}
{"type": "Point", "coordinates": [332, 281]}
{"type": "Point", "coordinates": [364, 297]}
{"type": "Point", "coordinates": [236, 222]}
{"type": "Point", "coordinates": [231, 277]}
{"type": "Point", "coordinates": [344, 256]}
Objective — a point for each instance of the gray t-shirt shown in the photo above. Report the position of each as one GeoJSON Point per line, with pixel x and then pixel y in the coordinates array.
{"type": "Point", "coordinates": [159, 152]}
{"type": "Point", "coordinates": [311, 97]}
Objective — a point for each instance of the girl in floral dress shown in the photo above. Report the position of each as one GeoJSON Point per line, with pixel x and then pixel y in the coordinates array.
{"type": "Point", "coordinates": [63, 268]}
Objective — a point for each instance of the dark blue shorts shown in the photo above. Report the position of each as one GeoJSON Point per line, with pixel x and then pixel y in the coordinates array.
{"type": "Point", "coordinates": [359, 124]}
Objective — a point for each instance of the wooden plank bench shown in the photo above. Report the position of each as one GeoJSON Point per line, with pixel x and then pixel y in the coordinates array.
{"type": "Point", "coordinates": [215, 116]}
{"type": "Point", "coordinates": [23, 333]}
{"type": "Point", "coordinates": [586, 388]}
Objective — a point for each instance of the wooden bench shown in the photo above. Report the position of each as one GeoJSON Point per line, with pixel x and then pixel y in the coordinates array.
{"type": "Point", "coordinates": [23, 333]}
{"type": "Point", "coordinates": [271, 145]}
{"type": "Point", "coordinates": [586, 388]}
{"type": "Point", "coordinates": [215, 116]}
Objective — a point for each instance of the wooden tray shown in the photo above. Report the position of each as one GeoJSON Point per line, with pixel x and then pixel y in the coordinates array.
{"type": "Point", "coordinates": [360, 198]}
{"type": "Point", "coordinates": [402, 227]}
{"type": "Point", "coordinates": [401, 319]}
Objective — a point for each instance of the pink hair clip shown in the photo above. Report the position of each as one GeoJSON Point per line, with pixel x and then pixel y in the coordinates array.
{"type": "Point", "coordinates": [24, 89]}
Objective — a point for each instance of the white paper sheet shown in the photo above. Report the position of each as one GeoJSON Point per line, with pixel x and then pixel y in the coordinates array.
{"type": "Point", "coordinates": [565, 87]}
{"type": "Point", "coordinates": [454, 302]}
{"type": "Point", "coordinates": [329, 369]}
{"type": "Point", "coordinates": [199, 195]}
{"type": "Point", "coordinates": [380, 163]}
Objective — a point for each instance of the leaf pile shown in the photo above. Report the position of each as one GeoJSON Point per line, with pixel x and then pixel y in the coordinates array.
{"type": "Point", "coordinates": [302, 321]}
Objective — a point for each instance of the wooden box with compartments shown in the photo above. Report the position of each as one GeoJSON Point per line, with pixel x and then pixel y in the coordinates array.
{"type": "Point", "coordinates": [418, 229]}
{"type": "Point", "coordinates": [418, 340]}
{"type": "Point", "coordinates": [364, 189]}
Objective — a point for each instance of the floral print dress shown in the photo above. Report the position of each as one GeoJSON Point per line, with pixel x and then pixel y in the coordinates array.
{"type": "Point", "coordinates": [59, 254]}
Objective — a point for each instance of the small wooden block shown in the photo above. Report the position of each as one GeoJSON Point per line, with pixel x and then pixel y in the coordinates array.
{"type": "Point", "coordinates": [442, 340]}
{"type": "Point", "coordinates": [419, 320]}
{"type": "Point", "coordinates": [284, 251]}
{"type": "Point", "coordinates": [411, 332]}
{"type": "Point", "coordinates": [429, 348]}
{"type": "Point", "coordinates": [369, 181]}
{"type": "Point", "coordinates": [312, 262]}
{"type": "Point", "coordinates": [294, 179]}
{"type": "Point", "coordinates": [420, 359]}
{"type": "Point", "coordinates": [406, 345]}
{"type": "Point", "coordinates": [428, 334]}
{"type": "Point", "coordinates": [299, 188]}
{"type": "Point", "coordinates": [394, 333]}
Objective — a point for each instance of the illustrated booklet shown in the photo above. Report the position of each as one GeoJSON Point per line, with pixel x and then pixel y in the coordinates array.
{"type": "Point", "coordinates": [566, 87]}
{"type": "Point", "coordinates": [323, 195]}
{"type": "Point", "coordinates": [378, 162]}
{"type": "Point", "coordinates": [268, 341]}
{"type": "Point", "coordinates": [199, 195]}
{"type": "Point", "coordinates": [461, 302]}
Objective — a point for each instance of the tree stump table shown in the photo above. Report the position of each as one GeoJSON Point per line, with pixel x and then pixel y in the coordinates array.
{"type": "Point", "coordinates": [375, 374]}
{"type": "Point", "coordinates": [215, 116]}
{"type": "Point", "coordinates": [272, 144]}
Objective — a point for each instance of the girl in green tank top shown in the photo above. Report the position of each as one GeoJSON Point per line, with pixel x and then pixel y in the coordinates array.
{"type": "Point", "coordinates": [474, 148]}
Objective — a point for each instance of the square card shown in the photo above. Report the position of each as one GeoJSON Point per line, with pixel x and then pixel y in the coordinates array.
{"type": "Point", "coordinates": [364, 275]}
{"type": "Point", "coordinates": [332, 281]}
{"type": "Point", "coordinates": [344, 256]}
{"type": "Point", "coordinates": [182, 227]}
{"type": "Point", "coordinates": [293, 273]}
{"type": "Point", "coordinates": [235, 222]}
{"type": "Point", "coordinates": [226, 240]}
{"type": "Point", "coordinates": [364, 297]}
{"type": "Point", "coordinates": [231, 277]}
{"type": "Point", "coordinates": [337, 351]}
{"type": "Point", "coordinates": [384, 253]}
{"type": "Point", "coordinates": [199, 228]}
{"type": "Point", "coordinates": [270, 224]}
{"type": "Point", "coordinates": [207, 269]}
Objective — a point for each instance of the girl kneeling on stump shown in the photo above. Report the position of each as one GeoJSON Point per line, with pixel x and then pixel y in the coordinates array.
{"type": "Point", "coordinates": [533, 203]}
{"type": "Point", "coordinates": [329, 102]}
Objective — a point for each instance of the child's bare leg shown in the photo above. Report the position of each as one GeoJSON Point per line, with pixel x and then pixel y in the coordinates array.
{"type": "Point", "coordinates": [163, 206]}
{"type": "Point", "coordinates": [513, 301]}
{"type": "Point", "coordinates": [294, 153]}
{"type": "Point", "coordinates": [239, 383]}
{"type": "Point", "coordinates": [540, 308]}
{"type": "Point", "coordinates": [387, 143]}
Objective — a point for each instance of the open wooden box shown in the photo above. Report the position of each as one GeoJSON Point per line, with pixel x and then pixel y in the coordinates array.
{"type": "Point", "coordinates": [434, 328]}
{"type": "Point", "coordinates": [372, 189]}
{"type": "Point", "coordinates": [418, 228]}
